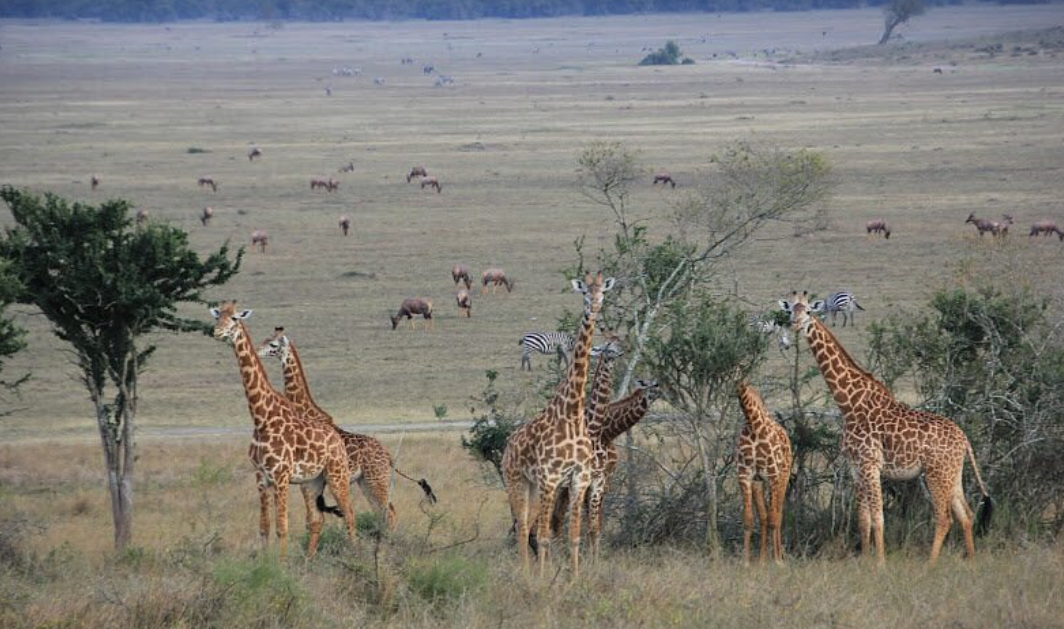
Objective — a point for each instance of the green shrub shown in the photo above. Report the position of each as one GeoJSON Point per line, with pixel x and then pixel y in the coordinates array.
{"type": "Point", "coordinates": [194, 150]}
{"type": "Point", "coordinates": [260, 591]}
{"type": "Point", "coordinates": [445, 579]}
{"type": "Point", "coordinates": [668, 55]}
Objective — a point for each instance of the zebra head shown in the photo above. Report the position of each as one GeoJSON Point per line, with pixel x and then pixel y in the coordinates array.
{"type": "Point", "coordinates": [800, 310]}
{"type": "Point", "coordinates": [592, 288]}
{"type": "Point", "coordinates": [276, 346]}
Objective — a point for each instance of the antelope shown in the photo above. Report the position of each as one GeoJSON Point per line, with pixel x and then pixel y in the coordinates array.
{"type": "Point", "coordinates": [985, 225]}
{"type": "Point", "coordinates": [331, 185]}
{"type": "Point", "coordinates": [349, 168]}
{"type": "Point", "coordinates": [206, 215]}
{"type": "Point", "coordinates": [208, 181]}
{"type": "Point", "coordinates": [316, 183]}
{"type": "Point", "coordinates": [94, 181]}
{"type": "Point", "coordinates": [259, 237]}
{"type": "Point", "coordinates": [409, 308]}
{"type": "Point", "coordinates": [877, 226]}
{"type": "Point", "coordinates": [1045, 228]}
{"type": "Point", "coordinates": [460, 273]}
{"type": "Point", "coordinates": [431, 182]}
{"type": "Point", "coordinates": [663, 177]}
{"type": "Point", "coordinates": [345, 223]}
{"type": "Point", "coordinates": [255, 152]}
{"type": "Point", "coordinates": [142, 215]}
{"type": "Point", "coordinates": [465, 302]}
{"type": "Point", "coordinates": [416, 171]}
{"type": "Point", "coordinates": [495, 277]}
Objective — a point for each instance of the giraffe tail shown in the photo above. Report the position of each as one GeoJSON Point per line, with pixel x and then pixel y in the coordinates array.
{"type": "Point", "coordinates": [986, 509]}
{"type": "Point", "coordinates": [324, 508]}
{"type": "Point", "coordinates": [424, 484]}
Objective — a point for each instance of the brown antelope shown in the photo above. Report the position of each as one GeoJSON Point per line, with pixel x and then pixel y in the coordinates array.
{"type": "Point", "coordinates": [416, 171]}
{"type": "Point", "coordinates": [460, 273]}
{"type": "Point", "coordinates": [409, 308]}
{"type": "Point", "coordinates": [495, 277]}
{"type": "Point", "coordinates": [663, 177]}
{"type": "Point", "coordinates": [985, 225]}
{"type": "Point", "coordinates": [206, 215]}
{"type": "Point", "coordinates": [345, 223]}
{"type": "Point", "coordinates": [316, 183]}
{"type": "Point", "coordinates": [1045, 228]}
{"type": "Point", "coordinates": [332, 185]}
{"type": "Point", "coordinates": [94, 181]}
{"type": "Point", "coordinates": [208, 181]}
{"type": "Point", "coordinates": [878, 226]}
{"type": "Point", "coordinates": [255, 152]}
{"type": "Point", "coordinates": [348, 168]}
{"type": "Point", "coordinates": [465, 302]}
{"type": "Point", "coordinates": [431, 182]}
{"type": "Point", "coordinates": [259, 237]}
{"type": "Point", "coordinates": [142, 215]}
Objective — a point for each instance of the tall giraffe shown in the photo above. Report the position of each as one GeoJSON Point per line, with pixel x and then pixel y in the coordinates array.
{"type": "Point", "coordinates": [286, 448]}
{"type": "Point", "coordinates": [554, 449]}
{"type": "Point", "coordinates": [762, 454]}
{"type": "Point", "coordinates": [369, 461]}
{"type": "Point", "coordinates": [883, 437]}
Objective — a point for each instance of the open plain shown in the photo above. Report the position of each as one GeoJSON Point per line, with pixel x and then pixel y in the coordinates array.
{"type": "Point", "coordinates": [149, 109]}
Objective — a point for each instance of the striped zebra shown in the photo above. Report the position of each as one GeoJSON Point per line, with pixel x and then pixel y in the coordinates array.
{"type": "Point", "coordinates": [842, 302]}
{"type": "Point", "coordinates": [545, 343]}
{"type": "Point", "coordinates": [768, 326]}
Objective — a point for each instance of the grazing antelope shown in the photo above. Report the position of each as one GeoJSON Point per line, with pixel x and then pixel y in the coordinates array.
{"type": "Point", "coordinates": [495, 277]}
{"type": "Point", "coordinates": [208, 181]}
{"type": "Point", "coordinates": [1045, 228]}
{"type": "Point", "coordinates": [460, 273]}
{"type": "Point", "coordinates": [416, 171]}
{"type": "Point", "coordinates": [259, 237]}
{"type": "Point", "coordinates": [985, 225]}
{"type": "Point", "coordinates": [255, 152]}
{"type": "Point", "coordinates": [349, 168]}
{"type": "Point", "coordinates": [465, 302]}
{"type": "Point", "coordinates": [663, 177]}
{"type": "Point", "coordinates": [316, 183]}
{"type": "Point", "coordinates": [94, 181]}
{"type": "Point", "coordinates": [142, 215]}
{"type": "Point", "coordinates": [431, 182]}
{"type": "Point", "coordinates": [206, 215]}
{"type": "Point", "coordinates": [332, 185]}
{"type": "Point", "coordinates": [428, 69]}
{"type": "Point", "coordinates": [345, 223]}
{"type": "Point", "coordinates": [413, 306]}
{"type": "Point", "coordinates": [877, 226]}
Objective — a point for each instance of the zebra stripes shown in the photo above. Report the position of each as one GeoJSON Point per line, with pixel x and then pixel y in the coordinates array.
{"type": "Point", "coordinates": [545, 343]}
{"type": "Point", "coordinates": [835, 303]}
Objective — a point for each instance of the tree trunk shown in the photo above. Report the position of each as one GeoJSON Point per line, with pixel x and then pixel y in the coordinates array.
{"type": "Point", "coordinates": [118, 452]}
{"type": "Point", "coordinates": [890, 24]}
{"type": "Point", "coordinates": [709, 476]}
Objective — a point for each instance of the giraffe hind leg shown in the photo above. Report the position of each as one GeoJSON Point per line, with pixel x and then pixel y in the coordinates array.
{"type": "Point", "coordinates": [519, 490]}
{"type": "Point", "coordinates": [762, 517]}
{"type": "Point", "coordinates": [338, 477]}
{"type": "Point", "coordinates": [748, 516]}
{"type": "Point", "coordinates": [374, 486]}
{"type": "Point", "coordinates": [775, 519]}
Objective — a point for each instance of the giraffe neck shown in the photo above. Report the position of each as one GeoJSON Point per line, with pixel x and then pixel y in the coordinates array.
{"type": "Point", "coordinates": [256, 383]}
{"type": "Point", "coordinates": [620, 416]}
{"type": "Point", "coordinates": [568, 402]}
{"type": "Point", "coordinates": [849, 383]}
{"type": "Point", "coordinates": [600, 397]}
{"type": "Point", "coordinates": [297, 390]}
{"type": "Point", "coordinates": [753, 409]}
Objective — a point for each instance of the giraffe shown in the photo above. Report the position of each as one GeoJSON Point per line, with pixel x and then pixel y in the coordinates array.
{"type": "Point", "coordinates": [285, 448]}
{"type": "Point", "coordinates": [554, 449]}
{"type": "Point", "coordinates": [369, 461]}
{"type": "Point", "coordinates": [883, 437]}
{"type": "Point", "coordinates": [762, 454]}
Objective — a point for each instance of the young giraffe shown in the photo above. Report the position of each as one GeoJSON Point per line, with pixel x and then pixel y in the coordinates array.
{"type": "Point", "coordinates": [554, 449]}
{"type": "Point", "coordinates": [369, 461]}
{"type": "Point", "coordinates": [883, 437]}
{"type": "Point", "coordinates": [286, 448]}
{"type": "Point", "coordinates": [763, 453]}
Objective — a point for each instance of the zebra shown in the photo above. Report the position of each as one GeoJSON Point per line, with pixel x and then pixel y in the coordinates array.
{"type": "Point", "coordinates": [768, 326]}
{"type": "Point", "coordinates": [842, 302]}
{"type": "Point", "coordinates": [545, 343]}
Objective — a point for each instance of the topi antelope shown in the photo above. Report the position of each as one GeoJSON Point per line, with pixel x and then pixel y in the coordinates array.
{"type": "Point", "coordinates": [495, 277]}
{"type": "Point", "coordinates": [208, 181]}
{"type": "Point", "coordinates": [877, 226]}
{"type": "Point", "coordinates": [431, 182]}
{"type": "Point", "coordinates": [348, 168]}
{"type": "Point", "coordinates": [259, 237]}
{"type": "Point", "coordinates": [1045, 228]}
{"type": "Point", "coordinates": [345, 223]}
{"type": "Point", "coordinates": [94, 181]}
{"type": "Point", "coordinates": [985, 225]}
{"type": "Point", "coordinates": [255, 152]}
{"type": "Point", "coordinates": [416, 171]}
{"type": "Point", "coordinates": [663, 177]}
{"type": "Point", "coordinates": [460, 273]}
{"type": "Point", "coordinates": [465, 302]}
{"type": "Point", "coordinates": [409, 308]}
{"type": "Point", "coordinates": [206, 215]}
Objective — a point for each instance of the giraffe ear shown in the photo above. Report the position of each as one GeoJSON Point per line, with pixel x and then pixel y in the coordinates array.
{"type": "Point", "coordinates": [243, 314]}
{"type": "Point", "coordinates": [608, 284]}
{"type": "Point", "coordinates": [785, 306]}
{"type": "Point", "coordinates": [215, 312]}
{"type": "Point", "coordinates": [579, 286]}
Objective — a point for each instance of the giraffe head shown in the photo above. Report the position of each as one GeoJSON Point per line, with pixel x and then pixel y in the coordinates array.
{"type": "Point", "coordinates": [227, 321]}
{"type": "Point", "coordinates": [651, 389]}
{"type": "Point", "coordinates": [800, 310]}
{"type": "Point", "coordinates": [593, 288]}
{"type": "Point", "coordinates": [276, 346]}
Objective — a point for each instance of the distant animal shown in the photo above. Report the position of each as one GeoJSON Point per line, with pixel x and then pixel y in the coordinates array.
{"type": "Point", "coordinates": [428, 69]}
{"type": "Point", "coordinates": [877, 226]}
{"type": "Point", "coordinates": [255, 152]}
{"type": "Point", "coordinates": [465, 302]}
{"type": "Point", "coordinates": [318, 183]}
{"type": "Point", "coordinates": [416, 171]}
{"type": "Point", "coordinates": [328, 90]}
{"type": "Point", "coordinates": [431, 182]}
{"type": "Point", "coordinates": [986, 225]}
{"type": "Point", "coordinates": [142, 215]}
{"type": "Point", "coordinates": [1045, 228]}
{"type": "Point", "coordinates": [460, 273]}
{"type": "Point", "coordinates": [345, 223]}
{"type": "Point", "coordinates": [663, 178]}
{"type": "Point", "coordinates": [406, 61]}
{"type": "Point", "coordinates": [937, 71]}
{"type": "Point", "coordinates": [206, 215]}
{"type": "Point", "coordinates": [208, 181]}
{"type": "Point", "coordinates": [409, 308]}
{"type": "Point", "coordinates": [378, 80]}
{"type": "Point", "coordinates": [332, 185]}
{"type": "Point", "coordinates": [443, 80]}
{"type": "Point", "coordinates": [835, 303]}
{"type": "Point", "coordinates": [259, 237]}
{"type": "Point", "coordinates": [545, 343]}
{"type": "Point", "coordinates": [349, 168]}
{"type": "Point", "coordinates": [94, 181]}
{"type": "Point", "coordinates": [767, 326]}
{"type": "Point", "coordinates": [495, 277]}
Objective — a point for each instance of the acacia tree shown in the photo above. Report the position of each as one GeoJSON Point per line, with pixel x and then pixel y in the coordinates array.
{"type": "Point", "coordinates": [12, 337]}
{"type": "Point", "coordinates": [898, 12]}
{"type": "Point", "coordinates": [105, 285]}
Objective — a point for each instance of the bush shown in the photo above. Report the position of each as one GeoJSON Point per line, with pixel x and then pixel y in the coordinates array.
{"type": "Point", "coordinates": [668, 55]}
{"type": "Point", "coordinates": [261, 592]}
{"type": "Point", "coordinates": [194, 150]}
{"type": "Point", "coordinates": [487, 437]}
{"type": "Point", "coordinates": [445, 579]}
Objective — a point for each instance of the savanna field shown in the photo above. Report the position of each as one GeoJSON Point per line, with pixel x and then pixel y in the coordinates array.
{"type": "Point", "coordinates": [150, 109]}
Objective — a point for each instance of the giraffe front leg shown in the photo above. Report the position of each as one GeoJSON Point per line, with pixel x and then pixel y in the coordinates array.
{"type": "Point", "coordinates": [264, 508]}
{"type": "Point", "coordinates": [280, 496]}
{"type": "Point", "coordinates": [762, 520]}
{"type": "Point", "coordinates": [577, 494]}
{"type": "Point", "coordinates": [315, 519]}
{"type": "Point", "coordinates": [748, 516]}
{"type": "Point", "coordinates": [518, 490]}
{"type": "Point", "coordinates": [543, 536]}
{"type": "Point", "coordinates": [875, 510]}
{"type": "Point", "coordinates": [941, 497]}
{"type": "Point", "coordinates": [596, 495]}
